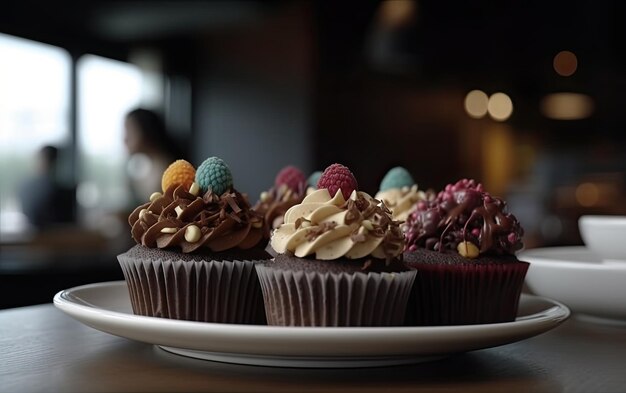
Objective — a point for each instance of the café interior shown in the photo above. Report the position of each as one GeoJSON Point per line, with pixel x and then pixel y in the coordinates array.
{"type": "Point", "coordinates": [525, 98]}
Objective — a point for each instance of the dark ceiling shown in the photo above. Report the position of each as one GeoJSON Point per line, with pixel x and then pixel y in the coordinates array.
{"type": "Point", "coordinates": [111, 27]}
{"type": "Point", "coordinates": [458, 38]}
{"type": "Point", "coordinates": [468, 44]}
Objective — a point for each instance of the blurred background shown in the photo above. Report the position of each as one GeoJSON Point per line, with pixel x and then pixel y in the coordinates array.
{"type": "Point", "coordinates": [525, 97]}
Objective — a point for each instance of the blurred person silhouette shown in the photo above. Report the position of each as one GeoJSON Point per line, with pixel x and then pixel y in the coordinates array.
{"type": "Point", "coordinates": [151, 151]}
{"type": "Point", "coordinates": [44, 200]}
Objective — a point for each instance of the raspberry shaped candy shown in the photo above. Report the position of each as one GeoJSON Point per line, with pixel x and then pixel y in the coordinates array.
{"type": "Point", "coordinates": [213, 174]}
{"type": "Point", "coordinates": [397, 177]}
{"type": "Point", "coordinates": [338, 177]}
{"type": "Point", "coordinates": [180, 172]}
{"type": "Point", "coordinates": [291, 177]}
{"type": "Point", "coordinates": [314, 178]}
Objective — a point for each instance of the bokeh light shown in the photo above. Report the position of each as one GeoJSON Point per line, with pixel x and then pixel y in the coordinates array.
{"type": "Point", "coordinates": [500, 106]}
{"type": "Point", "coordinates": [587, 194]}
{"type": "Point", "coordinates": [565, 63]}
{"type": "Point", "coordinates": [476, 104]}
{"type": "Point", "coordinates": [567, 106]}
{"type": "Point", "coordinates": [397, 13]}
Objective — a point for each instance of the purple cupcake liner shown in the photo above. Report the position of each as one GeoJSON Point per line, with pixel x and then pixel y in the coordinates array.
{"type": "Point", "coordinates": [465, 294]}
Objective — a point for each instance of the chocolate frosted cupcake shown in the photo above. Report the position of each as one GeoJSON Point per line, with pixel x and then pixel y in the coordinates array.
{"type": "Point", "coordinates": [339, 260]}
{"type": "Point", "coordinates": [400, 193]}
{"type": "Point", "coordinates": [289, 189]}
{"type": "Point", "coordinates": [463, 244]}
{"type": "Point", "coordinates": [197, 244]}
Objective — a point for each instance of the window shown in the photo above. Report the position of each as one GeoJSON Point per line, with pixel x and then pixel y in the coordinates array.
{"type": "Point", "coordinates": [107, 90]}
{"type": "Point", "coordinates": [34, 111]}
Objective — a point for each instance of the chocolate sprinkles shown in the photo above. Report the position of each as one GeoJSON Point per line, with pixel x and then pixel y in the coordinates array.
{"type": "Point", "coordinates": [219, 218]}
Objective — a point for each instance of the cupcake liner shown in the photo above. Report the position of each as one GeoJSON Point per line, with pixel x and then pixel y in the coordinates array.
{"type": "Point", "coordinates": [206, 291]}
{"type": "Point", "coordinates": [298, 298]}
{"type": "Point", "coordinates": [465, 294]}
{"type": "Point", "coordinates": [270, 250]}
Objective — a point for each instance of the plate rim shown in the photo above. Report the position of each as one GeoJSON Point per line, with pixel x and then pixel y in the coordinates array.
{"type": "Point", "coordinates": [564, 262]}
{"type": "Point", "coordinates": [60, 301]}
{"type": "Point", "coordinates": [337, 342]}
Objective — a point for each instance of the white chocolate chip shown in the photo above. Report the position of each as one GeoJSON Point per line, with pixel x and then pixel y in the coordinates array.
{"type": "Point", "coordinates": [178, 210]}
{"type": "Point", "coordinates": [363, 231]}
{"type": "Point", "coordinates": [154, 196]}
{"type": "Point", "coordinates": [194, 189]}
{"type": "Point", "coordinates": [468, 250]}
{"type": "Point", "coordinates": [142, 214]}
{"type": "Point", "coordinates": [168, 230]}
{"type": "Point", "coordinates": [367, 224]}
{"type": "Point", "coordinates": [265, 196]}
{"type": "Point", "coordinates": [192, 234]}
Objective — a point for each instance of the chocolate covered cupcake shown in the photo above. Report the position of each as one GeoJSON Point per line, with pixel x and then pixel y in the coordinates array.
{"type": "Point", "coordinates": [463, 244]}
{"type": "Point", "coordinates": [197, 244]}
{"type": "Point", "coordinates": [339, 260]}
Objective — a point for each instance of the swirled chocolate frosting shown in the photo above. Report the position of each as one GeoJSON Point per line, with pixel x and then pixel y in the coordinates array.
{"type": "Point", "coordinates": [464, 212]}
{"type": "Point", "coordinates": [273, 205]}
{"type": "Point", "coordinates": [221, 222]}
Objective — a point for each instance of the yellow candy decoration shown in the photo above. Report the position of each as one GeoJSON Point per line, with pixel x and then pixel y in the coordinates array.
{"type": "Point", "coordinates": [179, 172]}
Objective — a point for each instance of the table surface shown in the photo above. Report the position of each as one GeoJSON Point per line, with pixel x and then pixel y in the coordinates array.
{"type": "Point", "coordinates": [42, 349]}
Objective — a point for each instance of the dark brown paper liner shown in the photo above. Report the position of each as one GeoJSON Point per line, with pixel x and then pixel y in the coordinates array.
{"type": "Point", "coordinates": [206, 291]}
{"type": "Point", "coordinates": [465, 294]}
{"type": "Point", "coordinates": [296, 298]}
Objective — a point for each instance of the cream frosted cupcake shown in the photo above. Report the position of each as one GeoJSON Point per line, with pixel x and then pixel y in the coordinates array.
{"type": "Point", "coordinates": [400, 193]}
{"type": "Point", "coordinates": [339, 260]}
{"type": "Point", "coordinates": [197, 245]}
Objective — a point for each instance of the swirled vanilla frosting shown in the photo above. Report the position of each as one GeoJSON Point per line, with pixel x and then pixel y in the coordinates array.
{"type": "Point", "coordinates": [402, 201]}
{"type": "Point", "coordinates": [181, 219]}
{"type": "Point", "coordinates": [332, 228]}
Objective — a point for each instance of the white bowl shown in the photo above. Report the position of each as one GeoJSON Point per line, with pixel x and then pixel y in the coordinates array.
{"type": "Point", "coordinates": [579, 278]}
{"type": "Point", "coordinates": [605, 236]}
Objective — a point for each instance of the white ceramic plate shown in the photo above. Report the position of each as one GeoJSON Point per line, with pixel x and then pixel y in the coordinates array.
{"type": "Point", "coordinates": [577, 277]}
{"type": "Point", "coordinates": [106, 307]}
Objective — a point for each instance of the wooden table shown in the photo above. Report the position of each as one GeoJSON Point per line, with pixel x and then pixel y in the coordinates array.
{"type": "Point", "coordinates": [42, 349]}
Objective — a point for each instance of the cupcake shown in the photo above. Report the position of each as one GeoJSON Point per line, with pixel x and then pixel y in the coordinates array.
{"type": "Point", "coordinates": [197, 245]}
{"type": "Point", "coordinates": [339, 260]}
{"type": "Point", "coordinates": [312, 181]}
{"type": "Point", "coordinates": [463, 244]}
{"type": "Point", "coordinates": [289, 189]}
{"type": "Point", "coordinates": [400, 194]}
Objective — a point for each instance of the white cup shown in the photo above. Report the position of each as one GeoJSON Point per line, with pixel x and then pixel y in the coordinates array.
{"type": "Point", "coordinates": [605, 236]}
